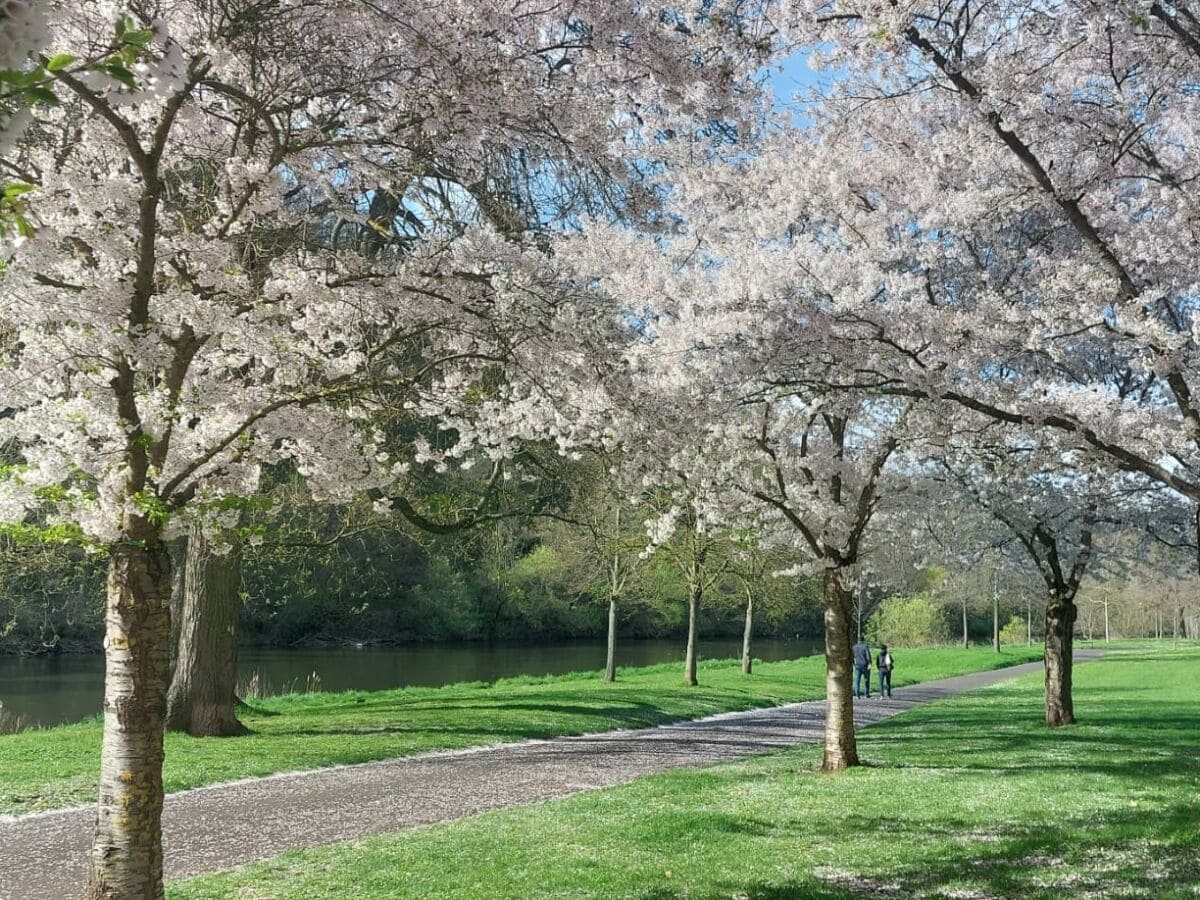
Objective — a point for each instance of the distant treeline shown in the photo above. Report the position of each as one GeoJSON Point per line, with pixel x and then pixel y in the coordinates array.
{"type": "Point", "coordinates": [299, 585]}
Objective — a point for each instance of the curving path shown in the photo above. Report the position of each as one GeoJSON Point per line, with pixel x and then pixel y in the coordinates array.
{"type": "Point", "coordinates": [42, 855]}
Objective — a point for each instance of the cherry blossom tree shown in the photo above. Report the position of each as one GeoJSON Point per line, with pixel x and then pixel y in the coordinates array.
{"type": "Point", "coordinates": [1019, 180]}
{"type": "Point", "coordinates": [823, 469]}
{"type": "Point", "coordinates": [730, 390]}
{"type": "Point", "coordinates": [1057, 500]}
{"type": "Point", "coordinates": [172, 327]}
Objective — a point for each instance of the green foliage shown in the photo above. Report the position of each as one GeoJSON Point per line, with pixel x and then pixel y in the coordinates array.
{"type": "Point", "coordinates": [914, 621]}
{"type": "Point", "coordinates": [152, 507]}
{"type": "Point", "coordinates": [50, 590]}
{"type": "Point", "coordinates": [29, 535]}
{"type": "Point", "coordinates": [1015, 632]}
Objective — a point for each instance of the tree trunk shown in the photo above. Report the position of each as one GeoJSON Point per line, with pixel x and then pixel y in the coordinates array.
{"type": "Point", "coordinates": [178, 551]}
{"type": "Point", "coordinates": [966, 634]}
{"type": "Point", "coordinates": [1060, 627]}
{"type": "Point", "coordinates": [203, 696]}
{"type": "Point", "coordinates": [125, 860]}
{"type": "Point", "coordinates": [1028, 622]}
{"type": "Point", "coordinates": [996, 623]}
{"type": "Point", "coordinates": [841, 749]}
{"type": "Point", "coordinates": [610, 663]}
{"type": "Point", "coordinates": [689, 661]}
{"type": "Point", "coordinates": [747, 634]}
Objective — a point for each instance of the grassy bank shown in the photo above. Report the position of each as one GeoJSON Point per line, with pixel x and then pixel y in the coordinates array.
{"type": "Point", "coordinates": [971, 797]}
{"type": "Point", "coordinates": [55, 767]}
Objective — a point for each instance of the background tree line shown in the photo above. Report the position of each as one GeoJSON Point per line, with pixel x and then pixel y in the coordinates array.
{"type": "Point", "coordinates": [313, 573]}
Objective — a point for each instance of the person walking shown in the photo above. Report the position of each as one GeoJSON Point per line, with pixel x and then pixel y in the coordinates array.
{"type": "Point", "coordinates": [862, 668]}
{"type": "Point", "coordinates": [885, 663]}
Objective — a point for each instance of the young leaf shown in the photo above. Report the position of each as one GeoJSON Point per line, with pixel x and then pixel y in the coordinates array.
{"type": "Point", "coordinates": [59, 61]}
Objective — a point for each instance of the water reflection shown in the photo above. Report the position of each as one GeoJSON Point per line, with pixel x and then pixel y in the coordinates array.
{"type": "Point", "coordinates": [56, 689]}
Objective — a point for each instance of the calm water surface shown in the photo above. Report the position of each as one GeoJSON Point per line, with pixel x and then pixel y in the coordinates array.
{"type": "Point", "coordinates": [52, 690]}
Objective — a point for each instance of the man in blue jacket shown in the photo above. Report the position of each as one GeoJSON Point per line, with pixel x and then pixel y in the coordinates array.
{"type": "Point", "coordinates": [862, 668]}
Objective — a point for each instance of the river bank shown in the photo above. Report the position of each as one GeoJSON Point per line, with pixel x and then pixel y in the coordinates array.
{"type": "Point", "coordinates": [59, 689]}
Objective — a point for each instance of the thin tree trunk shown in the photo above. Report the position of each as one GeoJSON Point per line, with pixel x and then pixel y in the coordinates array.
{"type": "Point", "coordinates": [966, 634]}
{"type": "Point", "coordinates": [125, 860]}
{"type": "Point", "coordinates": [1028, 622]}
{"type": "Point", "coordinates": [689, 660]}
{"type": "Point", "coordinates": [841, 749]}
{"type": "Point", "coordinates": [995, 623]}
{"type": "Point", "coordinates": [610, 663]}
{"type": "Point", "coordinates": [203, 697]}
{"type": "Point", "coordinates": [1060, 626]}
{"type": "Point", "coordinates": [747, 634]}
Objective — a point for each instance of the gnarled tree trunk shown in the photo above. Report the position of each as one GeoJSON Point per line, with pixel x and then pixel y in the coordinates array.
{"type": "Point", "coordinates": [1060, 626]}
{"type": "Point", "coordinates": [689, 660]}
{"type": "Point", "coordinates": [747, 635]}
{"type": "Point", "coordinates": [841, 749]}
{"type": "Point", "coordinates": [203, 697]}
{"type": "Point", "coordinates": [610, 664]}
{"type": "Point", "coordinates": [125, 861]}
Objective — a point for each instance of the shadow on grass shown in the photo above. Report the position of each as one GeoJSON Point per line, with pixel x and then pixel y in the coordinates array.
{"type": "Point", "coordinates": [1150, 854]}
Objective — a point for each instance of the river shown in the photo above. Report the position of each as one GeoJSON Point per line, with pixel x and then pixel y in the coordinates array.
{"type": "Point", "coordinates": [49, 690]}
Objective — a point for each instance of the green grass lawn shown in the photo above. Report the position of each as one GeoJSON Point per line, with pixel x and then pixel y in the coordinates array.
{"type": "Point", "coordinates": [970, 798]}
{"type": "Point", "coordinates": [54, 767]}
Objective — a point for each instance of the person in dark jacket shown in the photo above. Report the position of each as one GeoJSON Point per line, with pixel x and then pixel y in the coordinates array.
{"type": "Point", "coordinates": [862, 668]}
{"type": "Point", "coordinates": [885, 663]}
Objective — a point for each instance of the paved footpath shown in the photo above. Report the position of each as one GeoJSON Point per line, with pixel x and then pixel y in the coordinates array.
{"type": "Point", "coordinates": [42, 855]}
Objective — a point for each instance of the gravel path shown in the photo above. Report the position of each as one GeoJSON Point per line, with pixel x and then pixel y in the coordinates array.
{"type": "Point", "coordinates": [42, 855]}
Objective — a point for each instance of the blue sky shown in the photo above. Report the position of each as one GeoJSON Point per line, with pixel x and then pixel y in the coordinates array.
{"type": "Point", "coordinates": [795, 75]}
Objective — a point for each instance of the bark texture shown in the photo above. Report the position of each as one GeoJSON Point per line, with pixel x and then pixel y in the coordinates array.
{"type": "Point", "coordinates": [747, 635]}
{"type": "Point", "coordinates": [689, 660]}
{"type": "Point", "coordinates": [203, 697]}
{"type": "Point", "coordinates": [610, 664]}
{"type": "Point", "coordinates": [996, 624]}
{"type": "Point", "coordinates": [178, 550]}
{"type": "Point", "coordinates": [125, 860]}
{"type": "Point", "coordinates": [1060, 626]}
{"type": "Point", "coordinates": [841, 748]}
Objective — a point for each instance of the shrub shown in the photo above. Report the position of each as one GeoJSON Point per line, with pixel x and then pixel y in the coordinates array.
{"type": "Point", "coordinates": [908, 622]}
{"type": "Point", "coordinates": [1015, 632]}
